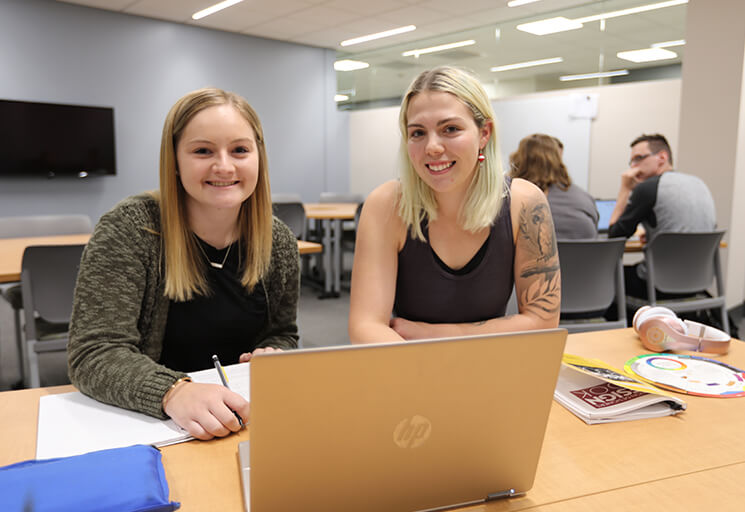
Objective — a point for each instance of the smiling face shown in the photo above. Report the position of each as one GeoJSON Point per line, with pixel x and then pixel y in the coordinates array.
{"type": "Point", "coordinates": [218, 161]}
{"type": "Point", "coordinates": [443, 141]}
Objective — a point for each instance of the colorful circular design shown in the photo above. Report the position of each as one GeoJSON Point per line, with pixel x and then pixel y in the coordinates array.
{"type": "Point", "coordinates": [666, 363]}
{"type": "Point", "coordinates": [693, 375]}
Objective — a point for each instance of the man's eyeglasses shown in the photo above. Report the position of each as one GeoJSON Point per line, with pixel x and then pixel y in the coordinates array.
{"type": "Point", "coordinates": [639, 158]}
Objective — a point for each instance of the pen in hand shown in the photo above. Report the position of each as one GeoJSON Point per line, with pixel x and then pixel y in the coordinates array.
{"type": "Point", "coordinates": [224, 379]}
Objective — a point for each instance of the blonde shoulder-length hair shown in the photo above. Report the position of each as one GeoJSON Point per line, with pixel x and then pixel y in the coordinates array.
{"type": "Point", "coordinates": [185, 268]}
{"type": "Point", "coordinates": [486, 191]}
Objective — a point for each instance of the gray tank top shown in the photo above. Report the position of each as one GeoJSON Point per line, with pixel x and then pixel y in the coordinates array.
{"type": "Point", "coordinates": [427, 292]}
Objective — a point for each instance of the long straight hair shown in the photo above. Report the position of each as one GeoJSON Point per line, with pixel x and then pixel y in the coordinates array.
{"type": "Point", "coordinates": [185, 268]}
{"type": "Point", "coordinates": [486, 190]}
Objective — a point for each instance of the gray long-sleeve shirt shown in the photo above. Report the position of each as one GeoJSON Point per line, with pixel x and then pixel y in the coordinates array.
{"type": "Point", "coordinates": [671, 201]}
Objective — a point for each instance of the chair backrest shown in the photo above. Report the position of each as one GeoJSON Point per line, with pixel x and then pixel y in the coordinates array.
{"type": "Point", "coordinates": [333, 197]}
{"type": "Point", "coordinates": [683, 262]}
{"type": "Point", "coordinates": [292, 214]}
{"type": "Point", "coordinates": [591, 274]}
{"type": "Point", "coordinates": [43, 225]}
{"type": "Point", "coordinates": [512, 307]}
{"type": "Point", "coordinates": [48, 276]}
{"type": "Point", "coordinates": [357, 214]}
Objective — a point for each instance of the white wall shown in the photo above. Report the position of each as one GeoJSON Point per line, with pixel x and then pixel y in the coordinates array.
{"type": "Point", "coordinates": [566, 116]}
{"type": "Point", "coordinates": [374, 140]}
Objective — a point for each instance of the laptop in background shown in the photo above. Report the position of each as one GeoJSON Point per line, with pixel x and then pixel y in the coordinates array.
{"type": "Point", "coordinates": [402, 426]}
{"type": "Point", "coordinates": [605, 209]}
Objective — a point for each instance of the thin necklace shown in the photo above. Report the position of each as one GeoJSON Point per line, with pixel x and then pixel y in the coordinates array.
{"type": "Point", "coordinates": [214, 263]}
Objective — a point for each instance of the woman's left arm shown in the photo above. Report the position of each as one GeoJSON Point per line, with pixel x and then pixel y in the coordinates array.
{"type": "Point", "coordinates": [536, 268]}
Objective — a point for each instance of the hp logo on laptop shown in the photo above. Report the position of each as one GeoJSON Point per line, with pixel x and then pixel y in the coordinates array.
{"type": "Point", "coordinates": [412, 432]}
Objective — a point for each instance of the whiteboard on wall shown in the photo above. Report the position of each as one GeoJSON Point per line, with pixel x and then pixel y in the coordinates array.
{"type": "Point", "coordinates": [374, 141]}
{"type": "Point", "coordinates": [567, 117]}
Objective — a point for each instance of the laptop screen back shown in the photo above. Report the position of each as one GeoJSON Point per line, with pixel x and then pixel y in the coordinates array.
{"type": "Point", "coordinates": [605, 209]}
{"type": "Point", "coordinates": [400, 426]}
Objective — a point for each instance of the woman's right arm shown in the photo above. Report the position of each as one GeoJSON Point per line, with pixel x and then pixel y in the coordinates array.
{"type": "Point", "coordinates": [380, 235]}
{"type": "Point", "coordinates": [114, 308]}
{"type": "Point", "coordinates": [118, 316]}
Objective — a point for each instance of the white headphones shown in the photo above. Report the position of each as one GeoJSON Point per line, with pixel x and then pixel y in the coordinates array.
{"type": "Point", "coordinates": [660, 329]}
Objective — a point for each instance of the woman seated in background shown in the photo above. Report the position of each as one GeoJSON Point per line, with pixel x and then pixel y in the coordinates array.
{"type": "Point", "coordinates": [442, 247]}
{"type": "Point", "coordinates": [538, 160]}
{"type": "Point", "coordinates": [197, 268]}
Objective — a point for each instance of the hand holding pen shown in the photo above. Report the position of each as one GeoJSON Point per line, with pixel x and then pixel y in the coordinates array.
{"type": "Point", "coordinates": [224, 379]}
{"type": "Point", "coordinates": [206, 410]}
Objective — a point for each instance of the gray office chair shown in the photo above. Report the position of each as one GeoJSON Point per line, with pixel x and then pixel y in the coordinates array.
{"type": "Point", "coordinates": [35, 225]}
{"type": "Point", "coordinates": [348, 243]}
{"type": "Point", "coordinates": [591, 278]}
{"type": "Point", "coordinates": [48, 275]}
{"type": "Point", "coordinates": [512, 307]}
{"type": "Point", "coordinates": [292, 214]}
{"type": "Point", "coordinates": [686, 264]}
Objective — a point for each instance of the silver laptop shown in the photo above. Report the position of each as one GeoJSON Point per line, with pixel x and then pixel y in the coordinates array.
{"type": "Point", "coordinates": [403, 426]}
{"type": "Point", "coordinates": [605, 210]}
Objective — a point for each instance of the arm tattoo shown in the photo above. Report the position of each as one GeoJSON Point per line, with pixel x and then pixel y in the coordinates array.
{"type": "Point", "coordinates": [537, 229]}
{"type": "Point", "coordinates": [543, 293]}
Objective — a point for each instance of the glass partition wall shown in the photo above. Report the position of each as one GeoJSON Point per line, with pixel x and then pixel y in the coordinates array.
{"type": "Point", "coordinates": [590, 43]}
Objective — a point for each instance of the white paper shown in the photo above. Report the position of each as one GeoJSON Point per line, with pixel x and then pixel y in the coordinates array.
{"type": "Point", "coordinates": [584, 106]}
{"type": "Point", "coordinates": [72, 423]}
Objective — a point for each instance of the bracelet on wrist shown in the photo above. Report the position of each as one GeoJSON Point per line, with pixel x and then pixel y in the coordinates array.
{"type": "Point", "coordinates": [167, 394]}
{"type": "Point", "coordinates": [182, 379]}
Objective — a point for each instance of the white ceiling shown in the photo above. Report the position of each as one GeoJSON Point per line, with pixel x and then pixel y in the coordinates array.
{"type": "Point", "coordinates": [325, 23]}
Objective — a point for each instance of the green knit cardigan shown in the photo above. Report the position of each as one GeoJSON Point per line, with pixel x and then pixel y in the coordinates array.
{"type": "Point", "coordinates": [120, 308]}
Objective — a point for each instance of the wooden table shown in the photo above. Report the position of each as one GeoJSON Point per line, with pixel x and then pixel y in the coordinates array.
{"type": "Point", "coordinates": [692, 461]}
{"type": "Point", "coordinates": [306, 247]}
{"type": "Point", "coordinates": [331, 216]}
{"type": "Point", "coordinates": [11, 251]}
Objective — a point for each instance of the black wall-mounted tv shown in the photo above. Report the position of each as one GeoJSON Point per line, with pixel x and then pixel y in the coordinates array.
{"type": "Point", "coordinates": [48, 139]}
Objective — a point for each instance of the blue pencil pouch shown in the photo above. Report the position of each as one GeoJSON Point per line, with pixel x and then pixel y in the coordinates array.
{"type": "Point", "coordinates": [121, 479]}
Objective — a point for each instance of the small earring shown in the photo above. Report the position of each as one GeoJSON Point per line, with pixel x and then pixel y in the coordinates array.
{"type": "Point", "coordinates": [482, 158]}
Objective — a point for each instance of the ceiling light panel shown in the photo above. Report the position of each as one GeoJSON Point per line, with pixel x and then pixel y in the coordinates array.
{"type": "Point", "coordinates": [212, 9]}
{"type": "Point", "coordinates": [378, 35]}
{"type": "Point", "coordinates": [601, 74]}
{"type": "Point", "coordinates": [350, 65]}
{"type": "Point", "coordinates": [549, 26]}
{"type": "Point", "coordinates": [527, 64]}
{"type": "Point", "coordinates": [668, 44]}
{"type": "Point", "coordinates": [632, 10]}
{"type": "Point", "coordinates": [647, 55]}
{"type": "Point", "coordinates": [518, 3]}
{"type": "Point", "coordinates": [439, 48]}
